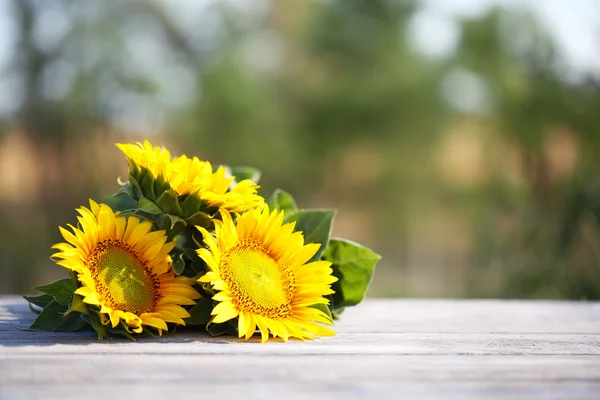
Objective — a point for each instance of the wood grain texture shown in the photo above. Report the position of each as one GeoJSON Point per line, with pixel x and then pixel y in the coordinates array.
{"type": "Point", "coordinates": [385, 349]}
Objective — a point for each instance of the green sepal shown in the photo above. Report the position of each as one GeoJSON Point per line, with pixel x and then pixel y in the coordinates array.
{"type": "Point", "coordinates": [337, 313]}
{"type": "Point", "coordinates": [125, 190]}
{"type": "Point", "coordinates": [243, 173]}
{"type": "Point", "coordinates": [94, 321]}
{"type": "Point", "coordinates": [148, 206]}
{"type": "Point", "coordinates": [194, 261]}
{"type": "Point", "coordinates": [77, 305]}
{"type": "Point", "coordinates": [354, 266]}
{"type": "Point", "coordinates": [174, 220]}
{"type": "Point", "coordinates": [161, 185]}
{"type": "Point", "coordinates": [74, 277]}
{"type": "Point", "coordinates": [120, 330]}
{"type": "Point", "coordinates": [200, 313]}
{"type": "Point", "coordinates": [315, 225]}
{"type": "Point", "coordinates": [221, 329]}
{"type": "Point", "coordinates": [200, 219]}
{"type": "Point", "coordinates": [190, 205]}
{"type": "Point", "coordinates": [135, 172]}
{"type": "Point", "coordinates": [136, 190]}
{"type": "Point", "coordinates": [193, 275]}
{"type": "Point", "coordinates": [178, 264]}
{"type": "Point", "coordinates": [190, 253]}
{"type": "Point", "coordinates": [283, 201]}
{"type": "Point", "coordinates": [324, 308]}
{"type": "Point", "coordinates": [62, 290]}
{"type": "Point", "coordinates": [147, 185]}
{"type": "Point", "coordinates": [169, 203]}
{"type": "Point", "coordinates": [207, 288]}
{"type": "Point", "coordinates": [41, 300]}
{"type": "Point", "coordinates": [155, 196]}
{"type": "Point", "coordinates": [171, 223]}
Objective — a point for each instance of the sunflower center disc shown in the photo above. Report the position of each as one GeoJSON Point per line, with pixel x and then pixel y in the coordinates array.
{"type": "Point", "coordinates": [124, 280]}
{"type": "Point", "coordinates": [262, 285]}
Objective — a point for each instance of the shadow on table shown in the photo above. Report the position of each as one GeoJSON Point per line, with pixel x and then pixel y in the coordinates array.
{"type": "Point", "coordinates": [15, 319]}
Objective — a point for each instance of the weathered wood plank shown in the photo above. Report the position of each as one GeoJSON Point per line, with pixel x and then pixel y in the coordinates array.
{"type": "Point", "coordinates": [304, 377]}
{"type": "Point", "coordinates": [384, 349]}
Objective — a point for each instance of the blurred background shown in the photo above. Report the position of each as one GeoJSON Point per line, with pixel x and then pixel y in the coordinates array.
{"type": "Point", "coordinates": [458, 139]}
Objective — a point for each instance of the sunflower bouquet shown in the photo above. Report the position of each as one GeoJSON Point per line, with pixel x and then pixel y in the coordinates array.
{"type": "Point", "coordinates": [187, 245]}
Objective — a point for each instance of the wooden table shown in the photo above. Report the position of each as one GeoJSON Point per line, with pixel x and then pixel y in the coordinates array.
{"type": "Point", "coordinates": [384, 349]}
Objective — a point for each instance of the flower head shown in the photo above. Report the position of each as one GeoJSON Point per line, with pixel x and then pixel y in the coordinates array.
{"type": "Point", "coordinates": [191, 176]}
{"type": "Point", "coordinates": [258, 266]}
{"type": "Point", "coordinates": [125, 270]}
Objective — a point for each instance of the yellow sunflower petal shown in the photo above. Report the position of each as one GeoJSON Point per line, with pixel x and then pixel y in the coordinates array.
{"type": "Point", "coordinates": [225, 313]}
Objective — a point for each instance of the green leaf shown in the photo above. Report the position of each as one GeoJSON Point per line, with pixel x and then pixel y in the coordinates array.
{"type": "Point", "coordinates": [61, 290]}
{"type": "Point", "coordinates": [51, 313]}
{"type": "Point", "coordinates": [77, 305]}
{"type": "Point", "coordinates": [354, 266]}
{"type": "Point", "coordinates": [69, 323]}
{"type": "Point", "coordinates": [282, 201]}
{"type": "Point", "coordinates": [52, 319]}
{"type": "Point", "coordinates": [169, 203]}
{"type": "Point", "coordinates": [148, 206]}
{"type": "Point", "coordinates": [41, 300]}
{"type": "Point", "coordinates": [200, 313]}
{"type": "Point", "coordinates": [315, 226]}
{"type": "Point", "coordinates": [242, 173]}
{"type": "Point", "coordinates": [121, 202]}
{"type": "Point", "coordinates": [35, 310]}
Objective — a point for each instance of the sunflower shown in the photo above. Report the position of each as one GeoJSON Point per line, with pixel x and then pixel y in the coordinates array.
{"type": "Point", "coordinates": [194, 177]}
{"type": "Point", "coordinates": [125, 270]}
{"type": "Point", "coordinates": [259, 269]}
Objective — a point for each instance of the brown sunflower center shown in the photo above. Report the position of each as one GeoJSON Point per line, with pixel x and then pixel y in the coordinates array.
{"type": "Point", "coordinates": [258, 283]}
{"type": "Point", "coordinates": [122, 279]}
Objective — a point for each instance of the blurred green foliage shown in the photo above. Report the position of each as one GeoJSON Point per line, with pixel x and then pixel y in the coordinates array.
{"type": "Point", "coordinates": [474, 174]}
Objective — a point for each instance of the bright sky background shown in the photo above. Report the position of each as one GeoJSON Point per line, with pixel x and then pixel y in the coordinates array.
{"type": "Point", "coordinates": [575, 25]}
